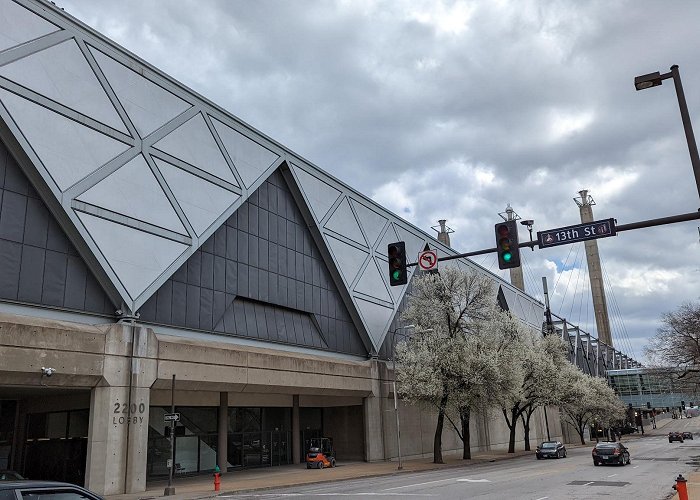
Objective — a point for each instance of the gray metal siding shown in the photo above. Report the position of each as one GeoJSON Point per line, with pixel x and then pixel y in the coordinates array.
{"type": "Point", "coordinates": [39, 265]}
{"type": "Point", "coordinates": [260, 276]}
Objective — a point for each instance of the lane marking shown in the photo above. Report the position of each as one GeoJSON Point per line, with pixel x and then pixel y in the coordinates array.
{"type": "Point", "coordinates": [418, 484]}
{"type": "Point", "coordinates": [306, 495]}
{"type": "Point", "coordinates": [473, 480]}
{"type": "Point", "coordinates": [612, 475]}
{"type": "Point", "coordinates": [543, 498]}
{"type": "Point", "coordinates": [635, 466]}
{"type": "Point", "coordinates": [588, 483]}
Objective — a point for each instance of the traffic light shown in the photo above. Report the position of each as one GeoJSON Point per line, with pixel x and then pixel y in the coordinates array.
{"type": "Point", "coordinates": [398, 275]}
{"type": "Point", "coordinates": [507, 245]}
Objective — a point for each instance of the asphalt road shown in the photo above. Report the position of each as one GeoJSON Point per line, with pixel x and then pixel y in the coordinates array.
{"type": "Point", "coordinates": [654, 465]}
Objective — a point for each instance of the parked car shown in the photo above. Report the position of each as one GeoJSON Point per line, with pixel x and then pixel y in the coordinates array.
{"type": "Point", "coordinates": [36, 490]}
{"type": "Point", "coordinates": [610, 453]}
{"type": "Point", "coordinates": [675, 436]}
{"type": "Point", "coordinates": [550, 449]}
{"type": "Point", "coordinates": [687, 435]}
{"type": "Point", "coordinates": [9, 475]}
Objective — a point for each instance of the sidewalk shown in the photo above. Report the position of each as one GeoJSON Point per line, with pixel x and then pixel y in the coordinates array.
{"type": "Point", "coordinates": [293, 475]}
{"type": "Point", "coordinates": [693, 486]}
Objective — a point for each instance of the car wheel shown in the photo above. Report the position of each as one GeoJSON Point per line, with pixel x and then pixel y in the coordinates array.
{"type": "Point", "coordinates": [595, 463]}
{"type": "Point", "coordinates": [538, 457]}
{"type": "Point", "coordinates": [320, 464]}
{"type": "Point", "coordinates": [332, 462]}
{"type": "Point", "coordinates": [308, 466]}
{"type": "Point", "coordinates": [670, 441]}
{"type": "Point", "coordinates": [564, 453]}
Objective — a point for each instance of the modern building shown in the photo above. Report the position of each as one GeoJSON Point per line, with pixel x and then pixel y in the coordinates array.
{"type": "Point", "coordinates": [150, 239]}
{"type": "Point", "coordinates": [647, 388]}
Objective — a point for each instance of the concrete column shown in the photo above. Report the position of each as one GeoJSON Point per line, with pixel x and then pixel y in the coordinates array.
{"type": "Point", "coordinates": [222, 448]}
{"type": "Point", "coordinates": [595, 274]}
{"type": "Point", "coordinates": [296, 438]}
{"type": "Point", "coordinates": [119, 411]}
{"type": "Point", "coordinates": [373, 419]}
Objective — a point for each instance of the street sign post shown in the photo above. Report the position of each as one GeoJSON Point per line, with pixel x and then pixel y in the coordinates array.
{"type": "Point", "coordinates": [574, 234]}
{"type": "Point", "coordinates": [172, 417]}
{"type": "Point", "coordinates": [428, 260]}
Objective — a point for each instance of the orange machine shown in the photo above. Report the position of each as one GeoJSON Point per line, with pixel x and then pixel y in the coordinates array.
{"type": "Point", "coordinates": [321, 453]}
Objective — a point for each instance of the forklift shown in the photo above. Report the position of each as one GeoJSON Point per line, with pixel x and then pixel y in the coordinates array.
{"type": "Point", "coordinates": [321, 453]}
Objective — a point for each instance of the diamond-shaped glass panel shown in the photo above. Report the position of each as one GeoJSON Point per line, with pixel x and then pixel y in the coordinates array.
{"type": "Point", "coordinates": [134, 191]}
{"type": "Point", "coordinates": [202, 201]}
{"type": "Point", "coordinates": [136, 257]}
{"type": "Point", "coordinates": [62, 74]}
{"type": "Point", "coordinates": [148, 105]}
{"type": "Point", "coordinates": [249, 158]}
{"type": "Point", "coordinates": [70, 151]}
{"type": "Point", "coordinates": [193, 143]}
{"type": "Point", "coordinates": [19, 25]}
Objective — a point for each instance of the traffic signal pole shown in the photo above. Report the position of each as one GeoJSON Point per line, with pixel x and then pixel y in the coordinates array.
{"type": "Point", "coordinates": [624, 227]}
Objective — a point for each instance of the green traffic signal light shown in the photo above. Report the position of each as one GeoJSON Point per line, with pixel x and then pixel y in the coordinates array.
{"type": "Point", "coordinates": [507, 246]}
{"type": "Point", "coordinates": [396, 253]}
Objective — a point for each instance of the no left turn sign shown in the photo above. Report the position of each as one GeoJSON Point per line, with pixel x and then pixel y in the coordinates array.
{"type": "Point", "coordinates": [428, 260]}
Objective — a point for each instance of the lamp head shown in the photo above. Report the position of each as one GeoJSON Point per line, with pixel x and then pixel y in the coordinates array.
{"type": "Point", "coordinates": [647, 81]}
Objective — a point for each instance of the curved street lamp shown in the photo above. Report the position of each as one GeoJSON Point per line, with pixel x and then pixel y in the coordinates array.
{"type": "Point", "coordinates": [654, 80]}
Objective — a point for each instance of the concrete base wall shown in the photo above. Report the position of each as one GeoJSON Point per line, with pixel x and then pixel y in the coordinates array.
{"type": "Point", "coordinates": [126, 369]}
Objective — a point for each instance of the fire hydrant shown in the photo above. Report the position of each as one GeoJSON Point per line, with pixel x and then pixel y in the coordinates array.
{"type": "Point", "coordinates": [217, 479]}
{"type": "Point", "coordinates": [681, 487]}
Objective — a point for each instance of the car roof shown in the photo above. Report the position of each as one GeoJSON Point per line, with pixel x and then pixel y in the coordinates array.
{"type": "Point", "coordinates": [29, 483]}
{"type": "Point", "coordinates": [607, 444]}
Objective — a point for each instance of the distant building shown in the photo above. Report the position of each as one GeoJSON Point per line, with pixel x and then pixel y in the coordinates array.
{"type": "Point", "coordinates": [639, 386]}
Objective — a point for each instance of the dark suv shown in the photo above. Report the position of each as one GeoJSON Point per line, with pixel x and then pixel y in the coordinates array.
{"type": "Point", "coordinates": [687, 435]}
{"type": "Point", "coordinates": [675, 436]}
{"type": "Point", "coordinates": [610, 453]}
{"type": "Point", "coordinates": [36, 490]}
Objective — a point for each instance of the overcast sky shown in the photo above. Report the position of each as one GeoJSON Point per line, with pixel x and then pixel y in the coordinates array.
{"type": "Point", "coordinates": [452, 110]}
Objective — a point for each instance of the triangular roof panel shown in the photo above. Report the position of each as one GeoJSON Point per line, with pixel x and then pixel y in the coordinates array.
{"type": "Point", "coordinates": [134, 191]}
{"type": "Point", "coordinates": [68, 150]}
{"type": "Point", "coordinates": [202, 201]}
{"type": "Point", "coordinates": [193, 143]}
{"type": "Point", "coordinates": [19, 25]}
{"type": "Point", "coordinates": [136, 257]}
{"type": "Point", "coordinates": [148, 105]}
{"type": "Point", "coordinates": [250, 159]}
{"type": "Point", "coordinates": [62, 74]}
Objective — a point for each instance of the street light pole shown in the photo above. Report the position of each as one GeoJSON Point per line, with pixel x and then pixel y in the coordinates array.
{"type": "Point", "coordinates": [687, 126]}
{"type": "Point", "coordinates": [656, 79]}
{"type": "Point", "coordinates": [396, 400]}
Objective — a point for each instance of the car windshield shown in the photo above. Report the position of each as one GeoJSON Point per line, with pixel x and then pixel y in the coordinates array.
{"type": "Point", "coordinates": [606, 445]}
{"type": "Point", "coordinates": [549, 445]}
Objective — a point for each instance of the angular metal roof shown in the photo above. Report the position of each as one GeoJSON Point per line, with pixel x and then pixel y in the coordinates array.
{"type": "Point", "coordinates": [140, 170]}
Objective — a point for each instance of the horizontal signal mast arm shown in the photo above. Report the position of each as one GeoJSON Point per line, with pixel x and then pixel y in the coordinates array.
{"type": "Point", "coordinates": [625, 227]}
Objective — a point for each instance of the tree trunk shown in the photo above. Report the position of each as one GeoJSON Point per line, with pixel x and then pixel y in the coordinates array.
{"type": "Point", "coordinates": [512, 425]}
{"type": "Point", "coordinates": [581, 429]}
{"type": "Point", "coordinates": [465, 415]}
{"type": "Point", "coordinates": [437, 442]}
{"type": "Point", "coordinates": [526, 428]}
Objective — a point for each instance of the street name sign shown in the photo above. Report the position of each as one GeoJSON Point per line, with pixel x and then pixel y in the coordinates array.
{"type": "Point", "coordinates": [428, 260]}
{"type": "Point", "coordinates": [576, 233]}
{"type": "Point", "coordinates": [172, 417]}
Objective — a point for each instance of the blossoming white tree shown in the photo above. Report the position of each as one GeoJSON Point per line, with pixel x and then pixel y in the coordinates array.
{"type": "Point", "coordinates": [587, 400]}
{"type": "Point", "coordinates": [438, 367]}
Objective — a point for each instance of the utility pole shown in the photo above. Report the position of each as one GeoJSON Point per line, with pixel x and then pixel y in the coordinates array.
{"type": "Point", "coordinates": [595, 274]}
{"type": "Point", "coordinates": [516, 273]}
